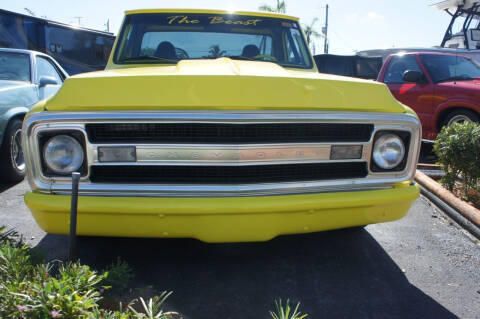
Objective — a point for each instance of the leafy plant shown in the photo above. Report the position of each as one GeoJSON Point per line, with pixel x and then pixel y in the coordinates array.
{"type": "Point", "coordinates": [118, 276]}
{"type": "Point", "coordinates": [311, 33]}
{"type": "Point", "coordinates": [15, 271]}
{"type": "Point", "coordinates": [285, 312]}
{"type": "Point", "coordinates": [281, 7]}
{"type": "Point", "coordinates": [153, 308]}
{"type": "Point", "coordinates": [458, 151]}
{"type": "Point", "coordinates": [63, 290]}
{"type": "Point", "coordinates": [72, 293]}
{"type": "Point", "coordinates": [9, 236]}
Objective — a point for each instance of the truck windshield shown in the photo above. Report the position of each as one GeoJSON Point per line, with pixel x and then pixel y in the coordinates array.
{"type": "Point", "coordinates": [444, 68]}
{"type": "Point", "coordinates": [14, 66]}
{"type": "Point", "coordinates": [168, 38]}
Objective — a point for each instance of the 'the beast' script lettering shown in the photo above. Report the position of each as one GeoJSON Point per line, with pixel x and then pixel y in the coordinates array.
{"type": "Point", "coordinates": [181, 19]}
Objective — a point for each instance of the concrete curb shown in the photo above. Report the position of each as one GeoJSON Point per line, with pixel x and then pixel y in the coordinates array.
{"type": "Point", "coordinates": [466, 210]}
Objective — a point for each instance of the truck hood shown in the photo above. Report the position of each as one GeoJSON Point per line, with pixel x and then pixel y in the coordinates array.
{"type": "Point", "coordinates": [219, 84]}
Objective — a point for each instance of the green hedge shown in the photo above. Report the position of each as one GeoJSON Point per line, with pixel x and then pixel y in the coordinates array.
{"type": "Point", "coordinates": [458, 151]}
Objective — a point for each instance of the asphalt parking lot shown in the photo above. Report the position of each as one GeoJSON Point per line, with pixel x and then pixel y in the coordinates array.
{"type": "Point", "coordinates": [422, 266]}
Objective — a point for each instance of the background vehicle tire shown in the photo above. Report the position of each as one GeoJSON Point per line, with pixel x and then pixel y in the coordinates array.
{"type": "Point", "coordinates": [12, 162]}
{"type": "Point", "coordinates": [460, 116]}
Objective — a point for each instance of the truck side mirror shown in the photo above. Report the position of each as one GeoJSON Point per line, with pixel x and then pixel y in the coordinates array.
{"type": "Point", "coordinates": [47, 80]}
{"type": "Point", "coordinates": [413, 76]}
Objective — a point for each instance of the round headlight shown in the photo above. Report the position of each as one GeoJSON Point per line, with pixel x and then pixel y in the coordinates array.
{"type": "Point", "coordinates": [388, 151]}
{"type": "Point", "coordinates": [63, 154]}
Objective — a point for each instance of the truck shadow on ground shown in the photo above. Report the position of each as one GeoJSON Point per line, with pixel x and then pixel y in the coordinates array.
{"type": "Point", "coordinates": [336, 274]}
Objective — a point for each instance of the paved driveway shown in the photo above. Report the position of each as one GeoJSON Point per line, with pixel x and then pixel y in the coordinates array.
{"type": "Point", "coordinates": [422, 266]}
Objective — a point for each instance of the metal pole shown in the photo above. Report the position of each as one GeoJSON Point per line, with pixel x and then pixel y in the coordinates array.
{"type": "Point", "coordinates": [72, 239]}
{"type": "Point", "coordinates": [325, 47]}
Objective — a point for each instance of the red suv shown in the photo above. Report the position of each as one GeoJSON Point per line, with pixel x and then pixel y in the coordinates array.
{"type": "Point", "coordinates": [443, 88]}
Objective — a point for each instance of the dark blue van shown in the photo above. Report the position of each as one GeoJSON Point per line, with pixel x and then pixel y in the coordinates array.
{"type": "Point", "coordinates": [77, 49]}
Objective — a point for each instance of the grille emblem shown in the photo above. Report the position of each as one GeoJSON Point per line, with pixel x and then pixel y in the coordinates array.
{"type": "Point", "coordinates": [238, 154]}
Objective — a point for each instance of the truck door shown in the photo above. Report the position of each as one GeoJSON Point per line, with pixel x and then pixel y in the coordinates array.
{"type": "Point", "coordinates": [418, 96]}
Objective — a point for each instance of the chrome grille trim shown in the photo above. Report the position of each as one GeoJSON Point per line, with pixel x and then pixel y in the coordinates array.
{"type": "Point", "coordinates": [230, 155]}
{"type": "Point", "coordinates": [41, 121]}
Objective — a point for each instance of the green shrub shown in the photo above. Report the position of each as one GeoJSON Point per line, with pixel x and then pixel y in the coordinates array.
{"type": "Point", "coordinates": [33, 292]}
{"type": "Point", "coordinates": [153, 308]}
{"type": "Point", "coordinates": [458, 151]}
{"type": "Point", "coordinates": [285, 312]}
{"type": "Point", "coordinates": [15, 272]}
{"type": "Point", "coordinates": [117, 277]}
{"type": "Point", "coordinates": [61, 290]}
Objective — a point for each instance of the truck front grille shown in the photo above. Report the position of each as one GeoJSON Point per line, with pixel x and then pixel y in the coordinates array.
{"type": "Point", "coordinates": [124, 174]}
{"type": "Point", "coordinates": [220, 153]}
{"type": "Point", "coordinates": [228, 133]}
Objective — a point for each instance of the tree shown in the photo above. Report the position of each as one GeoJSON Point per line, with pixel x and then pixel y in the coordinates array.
{"type": "Point", "coordinates": [310, 31]}
{"type": "Point", "coordinates": [280, 8]}
{"type": "Point", "coordinates": [215, 51]}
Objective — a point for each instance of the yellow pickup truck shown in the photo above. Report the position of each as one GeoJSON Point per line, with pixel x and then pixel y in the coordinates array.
{"type": "Point", "coordinates": [217, 126]}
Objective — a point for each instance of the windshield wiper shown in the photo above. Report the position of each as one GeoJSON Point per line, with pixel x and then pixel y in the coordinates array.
{"type": "Point", "coordinates": [240, 57]}
{"type": "Point", "coordinates": [456, 78]}
{"type": "Point", "coordinates": [149, 57]}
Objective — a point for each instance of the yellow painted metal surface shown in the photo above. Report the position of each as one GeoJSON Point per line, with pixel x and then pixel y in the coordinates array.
{"type": "Point", "coordinates": [229, 219]}
{"type": "Point", "coordinates": [220, 84]}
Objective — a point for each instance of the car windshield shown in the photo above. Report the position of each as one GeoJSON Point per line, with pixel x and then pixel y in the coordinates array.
{"type": "Point", "coordinates": [14, 66]}
{"type": "Point", "coordinates": [443, 68]}
{"type": "Point", "coordinates": [168, 38]}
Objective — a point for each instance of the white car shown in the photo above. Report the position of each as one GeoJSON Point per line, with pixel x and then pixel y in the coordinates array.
{"type": "Point", "coordinates": [26, 77]}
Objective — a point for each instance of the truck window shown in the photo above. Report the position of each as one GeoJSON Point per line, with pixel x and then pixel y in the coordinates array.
{"type": "Point", "coordinates": [292, 47]}
{"type": "Point", "coordinates": [160, 37]}
{"type": "Point", "coordinates": [398, 65]}
{"type": "Point", "coordinates": [190, 45]}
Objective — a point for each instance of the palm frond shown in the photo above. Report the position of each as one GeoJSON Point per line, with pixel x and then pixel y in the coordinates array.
{"type": "Point", "coordinates": [266, 7]}
{"type": "Point", "coordinates": [281, 7]}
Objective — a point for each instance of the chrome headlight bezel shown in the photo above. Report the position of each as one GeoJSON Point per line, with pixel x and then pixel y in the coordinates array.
{"type": "Point", "coordinates": [403, 138]}
{"type": "Point", "coordinates": [77, 141]}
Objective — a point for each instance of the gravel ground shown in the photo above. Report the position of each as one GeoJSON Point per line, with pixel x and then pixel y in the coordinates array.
{"type": "Point", "coordinates": [421, 266]}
